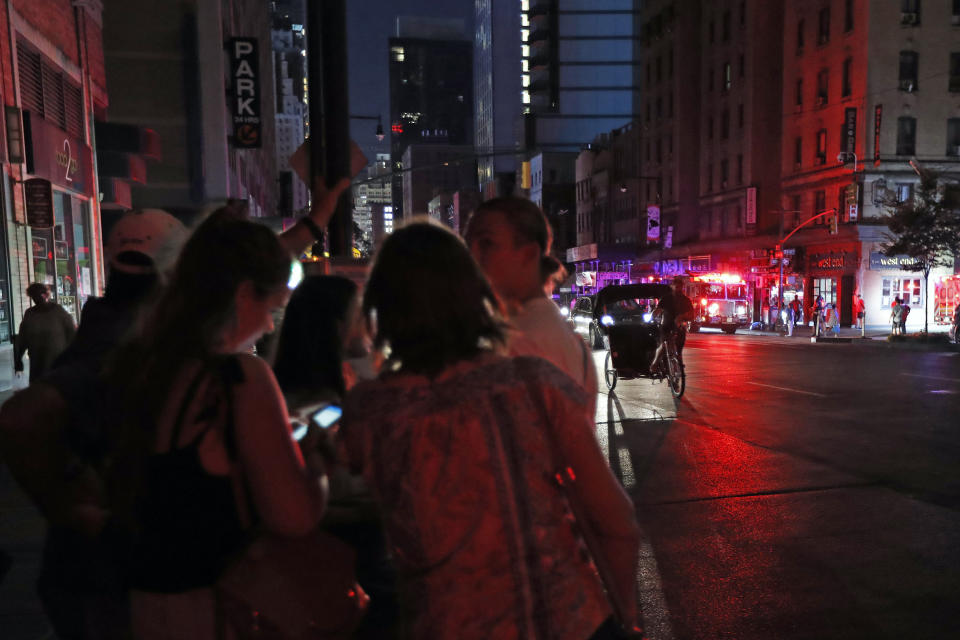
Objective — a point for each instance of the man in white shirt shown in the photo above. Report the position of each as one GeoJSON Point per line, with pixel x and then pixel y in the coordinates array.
{"type": "Point", "coordinates": [510, 239]}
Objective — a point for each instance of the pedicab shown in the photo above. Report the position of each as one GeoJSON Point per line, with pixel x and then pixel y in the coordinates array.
{"type": "Point", "coordinates": [631, 332]}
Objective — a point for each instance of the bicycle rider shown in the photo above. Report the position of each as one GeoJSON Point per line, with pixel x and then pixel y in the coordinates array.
{"type": "Point", "coordinates": [674, 312]}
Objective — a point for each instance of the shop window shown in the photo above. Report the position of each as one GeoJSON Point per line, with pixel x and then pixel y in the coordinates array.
{"type": "Point", "coordinates": [906, 136]}
{"type": "Point", "coordinates": [826, 287]}
{"type": "Point", "coordinates": [909, 62]}
{"type": "Point", "coordinates": [907, 289]}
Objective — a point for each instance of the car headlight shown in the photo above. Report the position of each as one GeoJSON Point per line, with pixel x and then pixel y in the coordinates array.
{"type": "Point", "coordinates": [714, 309]}
{"type": "Point", "coordinates": [607, 320]}
{"type": "Point", "coordinates": [565, 312]}
{"type": "Point", "coordinates": [741, 311]}
{"type": "Point", "coordinates": [648, 317]}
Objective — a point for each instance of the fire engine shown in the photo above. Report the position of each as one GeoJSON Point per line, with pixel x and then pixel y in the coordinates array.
{"type": "Point", "coordinates": [720, 300]}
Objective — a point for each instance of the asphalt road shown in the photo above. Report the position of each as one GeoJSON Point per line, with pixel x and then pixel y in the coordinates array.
{"type": "Point", "coordinates": [797, 490]}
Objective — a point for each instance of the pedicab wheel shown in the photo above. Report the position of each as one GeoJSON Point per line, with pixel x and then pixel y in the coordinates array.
{"type": "Point", "coordinates": [676, 376]}
{"type": "Point", "coordinates": [609, 372]}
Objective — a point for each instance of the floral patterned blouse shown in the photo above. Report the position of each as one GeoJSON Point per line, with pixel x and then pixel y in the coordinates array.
{"type": "Point", "coordinates": [481, 536]}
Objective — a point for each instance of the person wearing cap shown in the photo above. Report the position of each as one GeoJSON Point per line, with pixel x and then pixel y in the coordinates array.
{"type": "Point", "coordinates": [510, 238]}
{"type": "Point", "coordinates": [45, 331]}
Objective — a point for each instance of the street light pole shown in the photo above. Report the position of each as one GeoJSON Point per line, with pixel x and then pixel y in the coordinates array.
{"type": "Point", "coordinates": [783, 240]}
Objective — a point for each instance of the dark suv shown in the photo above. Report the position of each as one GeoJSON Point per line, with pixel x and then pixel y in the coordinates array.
{"type": "Point", "coordinates": [585, 324]}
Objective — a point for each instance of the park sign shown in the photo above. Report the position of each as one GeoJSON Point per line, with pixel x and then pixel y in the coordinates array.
{"type": "Point", "coordinates": [245, 97]}
{"type": "Point", "coordinates": [881, 262]}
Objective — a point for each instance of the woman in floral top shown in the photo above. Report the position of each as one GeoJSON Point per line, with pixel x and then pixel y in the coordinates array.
{"type": "Point", "coordinates": [455, 440]}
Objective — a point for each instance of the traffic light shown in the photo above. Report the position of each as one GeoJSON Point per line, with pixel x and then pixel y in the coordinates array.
{"type": "Point", "coordinates": [834, 220]}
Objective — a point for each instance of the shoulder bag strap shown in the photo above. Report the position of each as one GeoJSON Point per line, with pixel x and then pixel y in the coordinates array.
{"type": "Point", "coordinates": [565, 478]}
{"type": "Point", "coordinates": [188, 398]}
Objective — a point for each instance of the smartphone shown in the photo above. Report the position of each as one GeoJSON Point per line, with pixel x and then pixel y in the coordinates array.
{"type": "Point", "coordinates": [299, 431]}
{"type": "Point", "coordinates": [327, 416]}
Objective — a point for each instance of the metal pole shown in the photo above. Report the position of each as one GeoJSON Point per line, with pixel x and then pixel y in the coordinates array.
{"type": "Point", "coordinates": [780, 288]}
{"type": "Point", "coordinates": [329, 113]}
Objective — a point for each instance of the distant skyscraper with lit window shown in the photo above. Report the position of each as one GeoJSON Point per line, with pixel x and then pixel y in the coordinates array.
{"type": "Point", "coordinates": [431, 90]}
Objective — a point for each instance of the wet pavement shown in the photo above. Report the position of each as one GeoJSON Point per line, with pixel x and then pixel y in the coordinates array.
{"type": "Point", "coordinates": [797, 490]}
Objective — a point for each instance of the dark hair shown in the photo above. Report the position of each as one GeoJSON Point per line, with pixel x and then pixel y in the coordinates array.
{"type": "Point", "coordinates": [309, 354]}
{"type": "Point", "coordinates": [528, 224]}
{"type": "Point", "coordinates": [36, 290]}
{"type": "Point", "coordinates": [433, 305]}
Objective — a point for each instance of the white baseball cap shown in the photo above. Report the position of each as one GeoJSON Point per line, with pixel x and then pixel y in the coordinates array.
{"type": "Point", "coordinates": [145, 232]}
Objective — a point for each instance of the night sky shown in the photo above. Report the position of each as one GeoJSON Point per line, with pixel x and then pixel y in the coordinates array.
{"type": "Point", "coordinates": [369, 24]}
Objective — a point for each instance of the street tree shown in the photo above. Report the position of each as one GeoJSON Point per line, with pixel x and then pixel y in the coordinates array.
{"type": "Point", "coordinates": [926, 228]}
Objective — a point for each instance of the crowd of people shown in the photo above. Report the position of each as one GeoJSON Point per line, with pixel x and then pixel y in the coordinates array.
{"type": "Point", "coordinates": [162, 447]}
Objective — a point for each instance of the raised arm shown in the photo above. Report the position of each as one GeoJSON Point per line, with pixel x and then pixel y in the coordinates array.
{"type": "Point", "coordinates": [300, 236]}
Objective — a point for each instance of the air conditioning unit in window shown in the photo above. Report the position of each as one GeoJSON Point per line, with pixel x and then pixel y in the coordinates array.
{"type": "Point", "coordinates": [907, 85]}
{"type": "Point", "coordinates": [908, 18]}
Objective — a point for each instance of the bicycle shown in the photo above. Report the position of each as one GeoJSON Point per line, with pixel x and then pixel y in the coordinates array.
{"type": "Point", "coordinates": [668, 366]}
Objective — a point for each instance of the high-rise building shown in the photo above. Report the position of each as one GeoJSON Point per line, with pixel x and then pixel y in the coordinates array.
{"type": "Point", "coordinates": [497, 86]}
{"type": "Point", "coordinates": [435, 169]}
{"type": "Point", "coordinates": [869, 95]}
{"type": "Point", "coordinates": [289, 63]}
{"type": "Point", "coordinates": [577, 70]}
{"type": "Point", "coordinates": [431, 91]}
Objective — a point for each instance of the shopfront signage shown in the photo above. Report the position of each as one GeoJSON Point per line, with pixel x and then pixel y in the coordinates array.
{"type": "Point", "coordinates": [57, 156]}
{"type": "Point", "coordinates": [850, 130]}
{"type": "Point", "coordinates": [582, 253]}
{"type": "Point", "coordinates": [877, 117]}
{"type": "Point", "coordinates": [880, 262]}
{"type": "Point", "coordinates": [245, 99]}
{"type": "Point", "coordinates": [653, 224]}
{"type": "Point", "coordinates": [698, 264]}
{"type": "Point", "coordinates": [38, 200]}
{"type": "Point", "coordinates": [751, 206]}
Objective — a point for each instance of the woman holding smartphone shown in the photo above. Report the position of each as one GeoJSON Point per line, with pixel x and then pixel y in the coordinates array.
{"type": "Point", "coordinates": [459, 444]}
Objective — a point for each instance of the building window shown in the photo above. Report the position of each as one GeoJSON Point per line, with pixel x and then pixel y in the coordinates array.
{"type": "Point", "coordinates": [907, 289]}
{"type": "Point", "coordinates": [726, 26]}
{"type": "Point", "coordinates": [799, 98]}
{"type": "Point", "coordinates": [709, 79]}
{"type": "Point", "coordinates": [823, 30]}
{"type": "Point", "coordinates": [909, 61]}
{"type": "Point", "coordinates": [648, 112]}
{"type": "Point", "coordinates": [727, 77]}
{"type": "Point", "coordinates": [743, 12]}
{"type": "Point", "coordinates": [724, 173]}
{"type": "Point", "coordinates": [709, 178]}
{"type": "Point", "coordinates": [670, 64]}
{"type": "Point", "coordinates": [649, 75]}
{"type": "Point", "coordinates": [903, 192]}
{"type": "Point", "coordinates": [669, 105]}
{"type": "Point", "coordinates": [659, 154]}
{"type": "Point", "coordinates": [955, 16]}
{"type": "Point", "coordinates": [798, 152]}
{"type": "Point", "coordinates": [47, 92]}
{"type": "Point", "coordinates": [712, 30]}
{"type": "Point", "coordinates": [740, 117]}
{"type": "Point", "coordinates": [819, 203]}
{"type": "Point", "coordinates": [709, 127]}
{"type": "Point", "coordinates": [725, 125]}
{"type": "Point", "coordinates": [743, 65]}
{"type": "Point", "coordinates": [845, 88]}
{"type": "Point", "coordinates": [822, 146]}
{"type": "Point", "coordinates": [800, 26]}
{"type": "Point", "coordinates": [659, 109]}
{"type": "Point", "coordinates": [906, 136]}
{"type": "Point", "coordinates": [847, 16]}
{"type": "Point", "coordinates": [954, 84]}
{"type": "Point", "coordinates": [910, 12]}
{"type": "Point", "coordinates": [953, 137]}
{"type": "Point", "coordinates": [740, 168]}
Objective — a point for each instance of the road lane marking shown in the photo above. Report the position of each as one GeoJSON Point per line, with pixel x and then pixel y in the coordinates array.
{"type": "Point", "coordinates": [770, 386]}
{"type": "Point", "coordinates": [922, 375]}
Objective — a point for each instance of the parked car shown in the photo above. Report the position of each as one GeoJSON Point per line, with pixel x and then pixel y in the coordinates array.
{"type": "Point", "coordinates": [584, 322]}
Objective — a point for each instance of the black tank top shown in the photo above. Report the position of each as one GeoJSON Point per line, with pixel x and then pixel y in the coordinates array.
{"type": "Point", "coordinates": [189, 528]}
